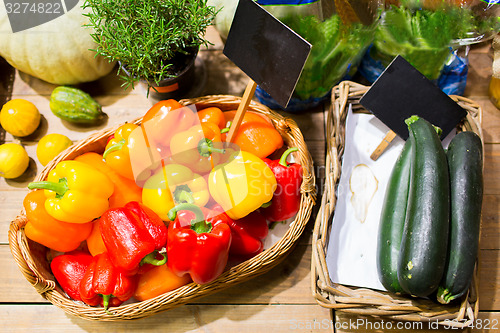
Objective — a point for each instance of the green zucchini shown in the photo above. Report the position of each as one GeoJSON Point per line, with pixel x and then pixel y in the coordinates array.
{"type": "Point", "coordinates": [392, 220]}
{"type": "Point", "coordinates": [76, 106]}
{"type": "Point", "coordinates": [465, 162]}
{"type": "Point", "coordinates": [425, 236]}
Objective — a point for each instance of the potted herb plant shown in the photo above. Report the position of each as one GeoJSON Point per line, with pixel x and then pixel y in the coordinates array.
{"type": "Point", "coordinates": [154, 41]}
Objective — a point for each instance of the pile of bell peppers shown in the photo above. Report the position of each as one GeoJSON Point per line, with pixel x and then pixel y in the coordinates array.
{"type": "Point", "coordinates": [166, 203]}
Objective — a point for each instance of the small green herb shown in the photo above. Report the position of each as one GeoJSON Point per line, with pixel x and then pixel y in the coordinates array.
{"type": "Point", "coordinates": [150, 38]}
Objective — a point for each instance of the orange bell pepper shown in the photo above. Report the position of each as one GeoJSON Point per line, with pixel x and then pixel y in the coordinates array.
{"type": "Point", "coordinates": [125, 190]}
{"type": "Point", "coordinates": [256, 134]}
{"type": "Point", "coordinates": [46, 230]}
{"type": "Point", "coordinates": [198, 148]}
{"type": "Point", "coordinates": [95, 244]}
{"type": "Point", "coordinates": [161, 108]}
{"type": "Point", "coordinates": [157, 281]}
{"type": "Point", "coordinates": [117, 154]}
{"type": "Point", "coordinates": [213, 115]}
{"type": "Point", "coordinates": [164, 119]}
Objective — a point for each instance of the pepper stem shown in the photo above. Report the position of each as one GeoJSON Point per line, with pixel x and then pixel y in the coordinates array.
{"type": "Point", "coordinates": [266, 204]}
{"type": "Point", "coordinates": [105, 302]}
{"type": "Point", "coordinates": [183, 194]}
{"type": "Point", "coordinates": [285, 156]}
{"type": "Point", "coordinates": [114, 147]}
{"type": "Point", "coordinates": [227, 128]}
{"type": "Point", "coordinates": [198, 224]}
{"type": "Point", "coordinates": [273, 224]}
{"type": "Point", "coordinates": [206, 148]}
{"type": "Point", "coordinates": [60, 187]}
{"type": "Point", "coordinates": [151, 259]}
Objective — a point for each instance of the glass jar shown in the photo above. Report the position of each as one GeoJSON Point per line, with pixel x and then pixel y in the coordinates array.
{"type": "Point", "coordinates": [494, 87]}
{"type": "Point", "coordinates": [339, 36]}
{"type": "Point", "coordinates": [431, 35]}
{"type": "Point", "coordinates": [339, 31]}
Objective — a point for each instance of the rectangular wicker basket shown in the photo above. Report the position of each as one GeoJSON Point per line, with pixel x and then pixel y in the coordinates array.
{"type": "Point", "coordinates": [364, 301]}
{"type": "Point", "coordinates": [32, 261]}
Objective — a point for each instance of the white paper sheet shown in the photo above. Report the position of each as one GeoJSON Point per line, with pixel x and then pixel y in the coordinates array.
{"type": "Point", "coordinates": [352, 248]}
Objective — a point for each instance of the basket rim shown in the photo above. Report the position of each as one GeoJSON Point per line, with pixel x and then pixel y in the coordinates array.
{"type": "Point", "coordinates": [365, 301]}
{"type": "Point", "coordinates": [257, 265]}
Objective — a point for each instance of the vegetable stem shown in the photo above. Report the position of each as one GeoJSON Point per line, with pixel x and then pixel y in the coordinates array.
{"type": "Point", "coordinates": [285, 156]}
{"type": "Point", "coordinates": [206, 148]}
{"type": "Point", "coordinates": [60, 187]}
{"type": "Point", "coordinates": [199, 217]}
{"type": "Point", "coordinates": [151, 259]}
{"type": "Point", "coordinates": [112, 148]}
{"type": "Point", "coordinates": [183, 194]}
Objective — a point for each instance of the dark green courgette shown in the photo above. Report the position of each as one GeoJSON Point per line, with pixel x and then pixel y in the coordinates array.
{"type": "Point", "coordinates": [465, 162]}
{"type": "Point", "coordinates": [425, 237]}
{"type": "Point", "coordinates": [392, 220]}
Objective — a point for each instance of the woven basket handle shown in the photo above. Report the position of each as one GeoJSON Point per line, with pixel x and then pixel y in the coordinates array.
{"type": "Point", "coordinates": [20, 251]}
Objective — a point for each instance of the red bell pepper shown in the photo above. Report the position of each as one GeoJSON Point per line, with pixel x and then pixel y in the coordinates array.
{"type": "Point", "coordinates": [151, 221]}
{"type": "Point", "coordinates": [69, 269]}
{"type": "Point", "coordinates": [286, 199]}
{"type": "Point", "coordinates": [128, 240]}
{"type": "Point", "coordinates": [247, 233]}
{"type": "Point", "coordinates": [105, 284]}
{"type": "Point", "coordinates": [197, 246]}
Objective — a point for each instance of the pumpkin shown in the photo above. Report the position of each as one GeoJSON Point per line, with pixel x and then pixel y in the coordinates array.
{"type": "Point", "coordinates": [57, 51]}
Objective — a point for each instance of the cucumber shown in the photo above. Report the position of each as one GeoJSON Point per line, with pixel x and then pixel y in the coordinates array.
{"type": "Point", "coordinates": [76, 106]}
{"type": "Point", "coordinates": [392, 220]}
{"type": "Point", "coordinates": [465, 162]}
{"type": "Point", "coordinates": [425, 236]}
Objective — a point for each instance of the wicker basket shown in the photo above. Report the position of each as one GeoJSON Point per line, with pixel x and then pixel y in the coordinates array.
{"type": "Point", "coordinates": [31, 257]}
{"type": "Point", "coordinates": [364, 301]}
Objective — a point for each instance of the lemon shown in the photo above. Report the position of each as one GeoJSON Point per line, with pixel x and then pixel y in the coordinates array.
{"type": "Point", "coordinates": [14, 160]}
{"type": "Point", "coordinates": [50, 146]}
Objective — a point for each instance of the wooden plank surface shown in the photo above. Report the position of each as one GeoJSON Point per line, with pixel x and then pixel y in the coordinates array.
{"type": "Point", "coordinates": [279, 300]}
{"type": "Point", "coordinates": [189, 318]}
{"type": "Point", "coordinates": [488, 322]}
{"type": "Point", "coordinates": [289, 282]}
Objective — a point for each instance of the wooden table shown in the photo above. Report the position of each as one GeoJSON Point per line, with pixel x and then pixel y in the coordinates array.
{"type": "Point", "coordinates": [278, 301]}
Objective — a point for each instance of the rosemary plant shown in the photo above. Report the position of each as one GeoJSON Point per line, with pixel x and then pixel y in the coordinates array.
{"type": "Point", "coordinates": [152, 39]}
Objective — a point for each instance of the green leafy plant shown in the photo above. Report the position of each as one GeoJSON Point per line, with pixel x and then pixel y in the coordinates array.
{"type": "Point", "coordinates": [336, 47]}
{"type": "Point", "coordinates": [424, 37]}
{"type": "Point", "coordinates": [152, 39]}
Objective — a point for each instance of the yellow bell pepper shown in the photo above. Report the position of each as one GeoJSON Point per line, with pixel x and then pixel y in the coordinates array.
{"type": "Point", "coordinates": [242, 184]}
{"type": "Point", "coordinates": [117, 154]}
{"type": "Point", "coordinates": [171, 185]}
{"type": "Point", "coordinates": [75, 192]}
